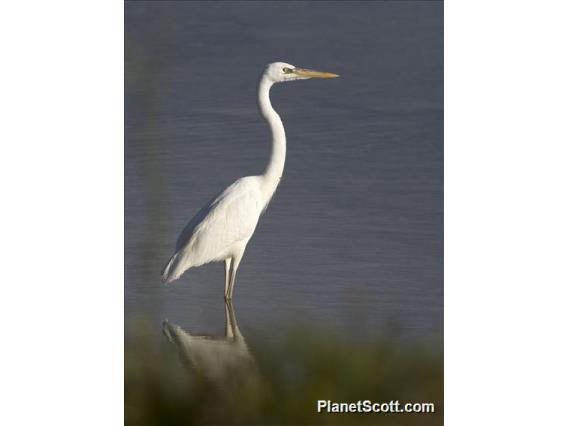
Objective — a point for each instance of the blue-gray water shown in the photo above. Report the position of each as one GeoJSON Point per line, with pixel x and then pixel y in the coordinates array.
{"type": "Point", "coordinates": [353, 239]}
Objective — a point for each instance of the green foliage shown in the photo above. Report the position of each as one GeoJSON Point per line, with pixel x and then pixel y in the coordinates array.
{"type": "Point", "coordinates": [303, 367]}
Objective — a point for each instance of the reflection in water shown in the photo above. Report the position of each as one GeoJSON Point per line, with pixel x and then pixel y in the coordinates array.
{"type": "Point", "coordinates": [225, 362]}
{"type": "Point", "coordinates": [222, 384]}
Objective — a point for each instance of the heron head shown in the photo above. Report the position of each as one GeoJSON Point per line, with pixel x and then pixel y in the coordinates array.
{"type": "Point", "coordinates": [279, 72]}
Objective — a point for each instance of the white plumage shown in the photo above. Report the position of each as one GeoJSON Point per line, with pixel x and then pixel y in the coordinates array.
{"type": "Point", "coordinates": [222, 229]}
{"type": "Point", "coordinates": [219, 229]}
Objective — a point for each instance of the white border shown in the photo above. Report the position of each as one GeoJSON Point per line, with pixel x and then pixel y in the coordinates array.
{"type": "Point", "coordinates": [61, 170]}
{"type": "Point", "coordinates": [506, 153]}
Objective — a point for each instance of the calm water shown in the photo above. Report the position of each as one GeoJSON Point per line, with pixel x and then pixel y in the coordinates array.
{"type": "Point", "coordinates": [353, 239]}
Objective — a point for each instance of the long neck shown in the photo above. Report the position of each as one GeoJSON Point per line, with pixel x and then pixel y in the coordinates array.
{"type": "Point", "coordinates": [275, 167]}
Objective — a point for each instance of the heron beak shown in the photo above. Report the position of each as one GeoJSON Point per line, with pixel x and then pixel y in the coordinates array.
{"type": "Point", "coordinates": [301, 72]}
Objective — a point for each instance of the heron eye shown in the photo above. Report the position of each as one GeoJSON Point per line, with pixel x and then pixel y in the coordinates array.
{"type": "Point", "coordinates": [286, 70]}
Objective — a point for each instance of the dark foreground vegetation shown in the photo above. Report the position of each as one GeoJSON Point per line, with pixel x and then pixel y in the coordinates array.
{"type": "Point", "coordinates": [196, 380]}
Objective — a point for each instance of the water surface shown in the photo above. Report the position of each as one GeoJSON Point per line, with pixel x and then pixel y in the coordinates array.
{"type": "Point", "coordinates": [352, 240]}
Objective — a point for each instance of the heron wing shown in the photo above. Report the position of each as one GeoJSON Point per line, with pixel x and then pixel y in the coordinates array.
{"type": "Point", "coordinates": [230, 217]}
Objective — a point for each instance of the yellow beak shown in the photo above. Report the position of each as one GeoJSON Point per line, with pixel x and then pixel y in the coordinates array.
{"type": "Point", "coordinates": [313, 74]}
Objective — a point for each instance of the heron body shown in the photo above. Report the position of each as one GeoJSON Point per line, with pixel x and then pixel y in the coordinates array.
{"type": "Point", "coordinates": [221, 230]}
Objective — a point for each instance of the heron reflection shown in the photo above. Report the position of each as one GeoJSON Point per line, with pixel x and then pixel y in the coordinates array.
{"type": "Point", "coordinates": [224, 361]}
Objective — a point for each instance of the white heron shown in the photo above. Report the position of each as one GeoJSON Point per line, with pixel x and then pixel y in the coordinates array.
{"type": "Point", "coordinates": [221, 230]}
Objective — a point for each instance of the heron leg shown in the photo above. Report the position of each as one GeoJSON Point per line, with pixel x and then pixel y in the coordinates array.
{"type": "Point", "coordinates": [229, 320]}
{"type": "Point", "coordinates": [227, 274]}
{"type": "Point", "coordinates": [234, 266]}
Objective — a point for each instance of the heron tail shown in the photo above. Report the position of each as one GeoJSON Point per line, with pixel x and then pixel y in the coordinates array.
{"type": "Point", "coordinates": [172, 271]}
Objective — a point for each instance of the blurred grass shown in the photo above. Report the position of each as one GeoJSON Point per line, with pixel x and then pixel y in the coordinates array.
{"type": "Point", "coordinates": [304, 365]}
